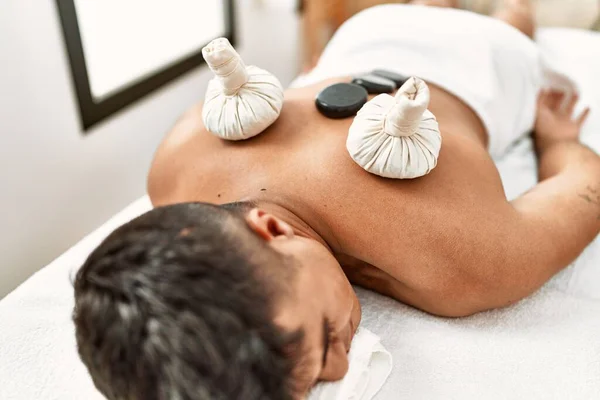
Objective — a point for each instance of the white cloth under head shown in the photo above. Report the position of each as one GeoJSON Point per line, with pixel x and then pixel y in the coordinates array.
{"type": "Point", "coordinates": [241, 101]}
{"type": "Point", "coordinates": [396, 137]}
{"type": "Point", "coordinates": [370, 365]}
{"type": "Point", "coordinates": [480, 60]}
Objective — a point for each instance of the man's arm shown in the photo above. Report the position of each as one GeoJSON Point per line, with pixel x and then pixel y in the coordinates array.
{"type": "Point", "coordinates": [558, 218]}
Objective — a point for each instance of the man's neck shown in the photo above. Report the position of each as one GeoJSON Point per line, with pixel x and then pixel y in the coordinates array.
{"type": "Point", "coordinates": [297, 217]}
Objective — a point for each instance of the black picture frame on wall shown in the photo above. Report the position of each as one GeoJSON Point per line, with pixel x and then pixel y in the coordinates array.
{"type": "Point", "coordinates": [91, 110]}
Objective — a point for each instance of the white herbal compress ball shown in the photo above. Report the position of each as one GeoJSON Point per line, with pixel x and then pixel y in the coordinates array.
{"type": "Point", "coordinates": [396, 137]}
{"type": "Point", "coordinates": [241, 101]}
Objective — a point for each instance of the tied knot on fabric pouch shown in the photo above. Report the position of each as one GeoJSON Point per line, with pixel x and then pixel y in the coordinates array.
{"type": "Point", "coordinates": [396, 137]}
{"type": "Point", "coordinates": [241, 101]}
{"type": "Point", "coordinates": [227, 65]}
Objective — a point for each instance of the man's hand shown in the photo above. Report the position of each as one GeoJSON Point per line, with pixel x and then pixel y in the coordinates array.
{"type": "Point", "coordinates": [555, 121]}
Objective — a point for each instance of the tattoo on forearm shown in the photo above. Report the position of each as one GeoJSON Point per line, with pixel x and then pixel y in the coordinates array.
{"type": "Point", "coordinates": [592, 196]}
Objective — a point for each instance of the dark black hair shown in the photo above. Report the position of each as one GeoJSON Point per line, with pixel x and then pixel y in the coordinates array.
{"type": "Point", "coordinates": [172, 306]}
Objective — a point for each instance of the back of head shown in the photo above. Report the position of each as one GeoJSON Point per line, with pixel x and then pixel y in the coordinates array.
{"type": "Point", "coordinates": [171, 306]}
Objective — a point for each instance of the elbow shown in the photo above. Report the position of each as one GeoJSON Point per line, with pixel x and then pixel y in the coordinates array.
{"type": "Point", "coordinates": [456, 300]}
{"type": "Point", "coordinates": [480, 285]}
{"type": "Point", "coordinates": [467, 297]}
{"type": "Point", "coordinates": [452, 308]}
{"type": "Point", "coordinates": [453, 311]}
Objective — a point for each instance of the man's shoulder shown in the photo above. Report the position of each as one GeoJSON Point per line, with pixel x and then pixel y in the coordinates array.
{"type": "Point", "coordinates": [180, 150]}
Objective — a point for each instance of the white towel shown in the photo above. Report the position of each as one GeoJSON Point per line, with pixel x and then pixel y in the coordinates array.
{"type": "Point", "coordinates": [370, 366]}
{"type": "Point", "coordinates": [480, 60]}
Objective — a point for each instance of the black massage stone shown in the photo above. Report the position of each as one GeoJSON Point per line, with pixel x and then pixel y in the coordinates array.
{"type": "Point", "coordinates": [375, 84]}
{"type": "Point", "coordinates": [341, 100]}
{"type": "Point", "coordinates": [397, 78]}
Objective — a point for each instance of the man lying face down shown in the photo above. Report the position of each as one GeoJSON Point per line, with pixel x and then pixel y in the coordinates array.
{"type": "Point", "coordinates": [238, 284]}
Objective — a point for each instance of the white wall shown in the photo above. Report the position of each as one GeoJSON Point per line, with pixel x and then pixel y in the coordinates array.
{"type": "Point", "coordinates": [56, 185]}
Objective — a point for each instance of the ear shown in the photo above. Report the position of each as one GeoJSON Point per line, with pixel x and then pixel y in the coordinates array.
{"type": "Point", "coordinates": [268, 226]}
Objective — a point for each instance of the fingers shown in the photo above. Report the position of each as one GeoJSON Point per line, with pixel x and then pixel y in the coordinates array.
{"type": "Point", "coordinates": [545, 99]}
{"type": "Point", "coordinates": [542, 98]}
{"type": "Point", "coordinates": [555, 99]}
{"type": "Point", "coordinates": [583, 117]}
{"type": "Point", "coordinates": [570, 106]}
{"type": "Point", "coordinates": [550, 99]}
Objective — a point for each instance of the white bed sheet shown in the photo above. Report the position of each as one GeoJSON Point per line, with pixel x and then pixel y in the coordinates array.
{"type": "Point", "coordinates": [547, 346]}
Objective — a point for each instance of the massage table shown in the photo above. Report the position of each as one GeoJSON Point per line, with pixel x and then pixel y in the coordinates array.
{"type": "Point", "coordinates": [545, 347]}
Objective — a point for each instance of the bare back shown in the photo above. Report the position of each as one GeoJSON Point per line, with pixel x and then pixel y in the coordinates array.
{"type": "Point", "coordinates": [449, 242]}
{"type": "Point", "coordinates": [409, 229]}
